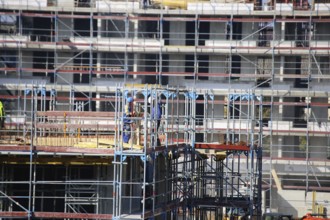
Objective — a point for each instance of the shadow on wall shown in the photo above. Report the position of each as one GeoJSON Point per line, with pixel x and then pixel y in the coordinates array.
{"type": "Point", "coordinates": [287, 201]}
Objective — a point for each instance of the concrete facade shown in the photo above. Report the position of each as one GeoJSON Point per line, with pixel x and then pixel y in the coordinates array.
{"type": "Point", "coordinates": [280, 53]}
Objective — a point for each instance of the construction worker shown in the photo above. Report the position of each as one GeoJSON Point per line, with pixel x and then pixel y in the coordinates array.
{"type": "Point", "coordinates": [127, 121]}
{"type": "Point", "coordinates": [2, 115]}
{"type": "Point", "coordinates": [156, 116]}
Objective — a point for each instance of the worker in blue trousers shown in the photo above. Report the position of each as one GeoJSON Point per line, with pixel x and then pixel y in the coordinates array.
{"type": "Point", "coordinates": [156, 116]}
{"type": "Point", "coordinates": [127, 120]}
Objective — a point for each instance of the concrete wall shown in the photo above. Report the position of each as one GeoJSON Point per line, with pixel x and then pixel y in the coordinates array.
{"type": "Point", "coordinates": [27, 62]}
{"type": "Point", "coordinates": [218, 31]}
{"type": "Point", "coordinates": [289, 144]}
{"type": "Point", "coordinates": [176, 64]}
{"type": "Point", "coordinates": [177, 61]}
{"type": "Point", "coordinates": [288, 111]}
{"type": "Point", "coordinates": [248, 31]}
{"type": "Point", "coordinates": [318, 147]}
{"type": "Point", "coordinates": [64, 78]}
{"type": "Point", "coordinates": [319, 113]}
{"type": "Point", "coordinates": [295, 202]}
{"type": "Point", "coordinates": [65, 29]}
{"type": "Point", "coordinates": [248, 67]}
{"type": "Point", "coordinates": [277, 147]}
{"type": "Point", "coordinates": [218, 64]}
{"type": "Point", "coordinates": [290, 67]}
{"type": "Point", "coordinates": [177, 33]}
{"type": "Point", "coordinates": [114, 28]}
{"type": "Point", "coordinates": [322, 31]}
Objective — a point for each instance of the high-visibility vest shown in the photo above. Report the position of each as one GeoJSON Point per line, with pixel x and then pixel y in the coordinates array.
{"type": "Point", "coordinates": [2, 110]}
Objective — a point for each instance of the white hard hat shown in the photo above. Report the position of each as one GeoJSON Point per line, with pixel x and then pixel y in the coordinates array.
{"type": "Point", "coordinates": [149, 99]}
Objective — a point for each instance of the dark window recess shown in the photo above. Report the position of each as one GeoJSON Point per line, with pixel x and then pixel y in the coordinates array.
{"type": "Point", "coordinates": [263, 83]}
{"type": "Point", "coordinates": [234, 28]}
{"type": "Point", "coordinates": [45, 61]}
{"type": "Point", "coordinates": [151, 30]}
{"type": "Point", "coordinates": [190, 33]}
{"type": "Point", "coordinates": [234, 110]}
{"type": "Point", "coordinates": [150, 66]}
{"type": "Point", "coordinates": [82, 27]}
{"type": "Point", "coordinates": [166, 31]}
{"type": "Point", "coordinates": [82, 63]}
{"type": "Point", "coordinates": [203, 66]}
{"type": "Point", "coordinates": [235, 66]}
{"type": "Point", "coordinates": [265, 34]}
{"type": "Point", "coordinates": [164, 79]}
{"type": "Point", "coordinates": [237, 30]}
{"type": "Point", "coordinates": [263, 68]}
{"type": "Point", "coordinates": [189, 66]}
{"type": "Point", "coordinates": [228, 30]}
{"type": "Point", "coordinates": [83, 3]}
{"type": "Point", "coordinates": [302, 35]}
{"type": "Point", "coordinates": [200, 111]}
{"type": "Point", "coordinates": [85, 105]}
{"type": "Point", "coordinates": [199, 137]}
{"type": "Point", "coordinates": [43, 29]}
{"type": "Point", "coordinates": [299, 115]}
{"type": "Point", "coordinates": [8, 61]}
{"type": "Point", "coordinates": [204, 33]}
{"type": "Point", "coordinates": [299, 82]}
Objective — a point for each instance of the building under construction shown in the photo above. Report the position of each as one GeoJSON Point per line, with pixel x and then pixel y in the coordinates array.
{"type": "Point", "coordinates": [164, 109]}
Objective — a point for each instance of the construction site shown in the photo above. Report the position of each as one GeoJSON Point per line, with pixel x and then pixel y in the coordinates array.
{"type": "Point", "coordinates": [164, 109]}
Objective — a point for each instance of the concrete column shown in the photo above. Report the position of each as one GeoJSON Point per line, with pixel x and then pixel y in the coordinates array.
{"type": "Point", "coordinates": [217, 31]}
{"type": "Point", "coordinates": [280, 138]}
{"type": "Point", "coordinates": [218, 112]}
{"type": "Point", "coordinates": [99, 61]}
{"type": "Point", "coordinates": [248, 68]}
{"type": "Point", "coordinates": [27, 62]}
{"type": "Point", "coordinates": [65, 28]}
{"type": "Point", "coordinates": [318, 147]}
{"type": "Point", "coordinates": [177, 36]}
{"type": "Point", "coordinates": [217, 64]}
{"type": "Point", "coordinates": [290, 143]}
{"type": "Point", "coordinates": [319, 113]}
{"type": "Point", "coordinates": [247, 30]}
{"type": "Point", "coordinates": [290, 67]}
{"type": "Point", "coordinates": [64, 31]}
{"type": "Point", "coordinates": [289, 146]}
{"type": "Point", "coordinates": [283, 30]}
{"type": "Point", "coordinates": [177, 33]}
{"type": "Point", "coordinates": [318, 121]}
{"type": "Point", "coordinates": [136, 55]}
{"type": "Point", "coordinates": [322, 31]}
{"type": "Point", "coordinates": [64, 60]}
{"type": "Point", "coordinates": [282, 63]}
{"type": "Point", "coordinates": [176, 64]}
{"type": "Point", "coordinates": [277, 146]}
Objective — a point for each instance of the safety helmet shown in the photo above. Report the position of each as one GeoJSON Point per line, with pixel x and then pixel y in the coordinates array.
{"type": "Point", "coordinates": [129, 99]}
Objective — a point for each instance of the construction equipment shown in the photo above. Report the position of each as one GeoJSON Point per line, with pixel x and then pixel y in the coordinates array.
{"type": "Point", "coordinates": [276, 216]}
{"type": "Point", "coordinates": [175, 4]}
{"type": "Point", "coordinates": [310, 216]}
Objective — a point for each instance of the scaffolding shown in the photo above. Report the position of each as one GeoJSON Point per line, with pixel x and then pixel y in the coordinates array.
{"type": "Point", "coordinates": [62, 62]}
{"type": "Point", "coordinates": [162, 170]}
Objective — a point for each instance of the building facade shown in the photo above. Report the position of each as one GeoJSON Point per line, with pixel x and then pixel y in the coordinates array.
{"type": "Point", "coordinates": [74, 55]}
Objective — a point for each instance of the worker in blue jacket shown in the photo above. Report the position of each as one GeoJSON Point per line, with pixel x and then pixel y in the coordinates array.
{"type": "Point", "coordinates": [156, 116]}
